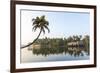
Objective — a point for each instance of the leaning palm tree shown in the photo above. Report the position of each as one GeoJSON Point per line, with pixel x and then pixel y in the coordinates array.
{"type": "Point", "coordinates": [39, 23]}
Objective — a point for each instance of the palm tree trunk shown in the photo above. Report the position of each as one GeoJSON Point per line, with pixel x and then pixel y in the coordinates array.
{"type": "Point", "coordinates": [33, 41]}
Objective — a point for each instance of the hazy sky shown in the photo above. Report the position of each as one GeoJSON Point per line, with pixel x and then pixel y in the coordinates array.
{"type": "Point", "coordinates": [61, 24]}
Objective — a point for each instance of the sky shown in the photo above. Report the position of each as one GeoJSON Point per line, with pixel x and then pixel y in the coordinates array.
{"type": "Point", "coordinates": [61, 24]}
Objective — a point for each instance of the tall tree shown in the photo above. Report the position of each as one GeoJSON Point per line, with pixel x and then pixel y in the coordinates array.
{"type": "Point", "coordinates": [38, 23]}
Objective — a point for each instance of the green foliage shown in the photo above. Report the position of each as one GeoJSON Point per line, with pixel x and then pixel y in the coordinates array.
{"type": "Point", "coordinates": [86, 41]}
{"type": "Point", "coordinates": [40, 23]}
{"type": "Point", "coordinates": [59, 46]}
{"type": "Point", "coordinates": [74, 38]}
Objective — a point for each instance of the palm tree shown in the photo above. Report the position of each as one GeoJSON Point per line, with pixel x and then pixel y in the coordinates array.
{"type": "Point", "coordinates": [39, 23]}
{"type": "Point", "coordinates": [78, 38]}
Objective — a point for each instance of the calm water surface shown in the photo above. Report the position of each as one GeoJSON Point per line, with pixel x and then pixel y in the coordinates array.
{"type": "Point", "coordinates": [27, 56]}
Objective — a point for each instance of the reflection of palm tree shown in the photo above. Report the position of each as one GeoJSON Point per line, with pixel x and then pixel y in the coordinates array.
{"type": "Point", "coordinates": [40, 23]}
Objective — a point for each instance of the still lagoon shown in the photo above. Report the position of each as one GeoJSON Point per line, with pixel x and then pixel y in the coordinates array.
{"type": "Point", "coordinates": [29, 56]}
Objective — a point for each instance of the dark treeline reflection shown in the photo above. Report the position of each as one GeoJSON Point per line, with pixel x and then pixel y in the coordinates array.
{"type": "Point", "coordinates": [74, 46]}
{"type": "Point", "coordinates": [61, 50]}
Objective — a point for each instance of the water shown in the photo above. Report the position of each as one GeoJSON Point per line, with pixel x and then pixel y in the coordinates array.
{"type": "Point", "coordinates": [29, 56]}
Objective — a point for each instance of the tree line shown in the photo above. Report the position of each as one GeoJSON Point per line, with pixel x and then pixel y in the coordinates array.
{"type": "Point", "coordinates": [62, 42]}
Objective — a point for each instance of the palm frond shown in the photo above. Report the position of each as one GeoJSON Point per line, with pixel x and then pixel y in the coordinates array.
{"type": "Point", "coordinates": [46, 22]}
{"type": "Point", "coordinates": [47, 28]}
{"type": "Point", "coordinates": [36, 21]}
{"type": "Point", "coordinates": [43, 30]}
{"type": "Point", "coordinates": [42, 17]}
{"type": "Point", "coordinates": [35, 27]}
{"type": "Point", "coordinates": [33, 19]}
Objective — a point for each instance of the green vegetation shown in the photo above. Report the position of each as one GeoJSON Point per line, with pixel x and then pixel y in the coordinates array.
{"type": "Point", "coordinates": [86, 42]}
{"type": "Point", "coordinates": [60, 45]}
{"type": "Point", "coordinates": [52, 43]}
{"type": "Point", "coordinates": [73, 45]}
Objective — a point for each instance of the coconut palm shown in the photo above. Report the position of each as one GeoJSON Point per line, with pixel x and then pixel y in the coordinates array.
{"type": "Point", "coordinates": [78, 38]}
{"type": "Point", "coordinates": [39, 23]}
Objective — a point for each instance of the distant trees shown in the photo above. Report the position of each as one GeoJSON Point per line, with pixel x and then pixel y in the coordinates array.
{"type": "Point", "coordinates": [74, 38]}
{"type": "Point", "coordinates": [86, 41]}
{"type": "Point", "coordinates": [54, 42]}
{"type": "Point", "coordinates": [59, 45]}
{"type": "Point", "coordinates": [63, 42]}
